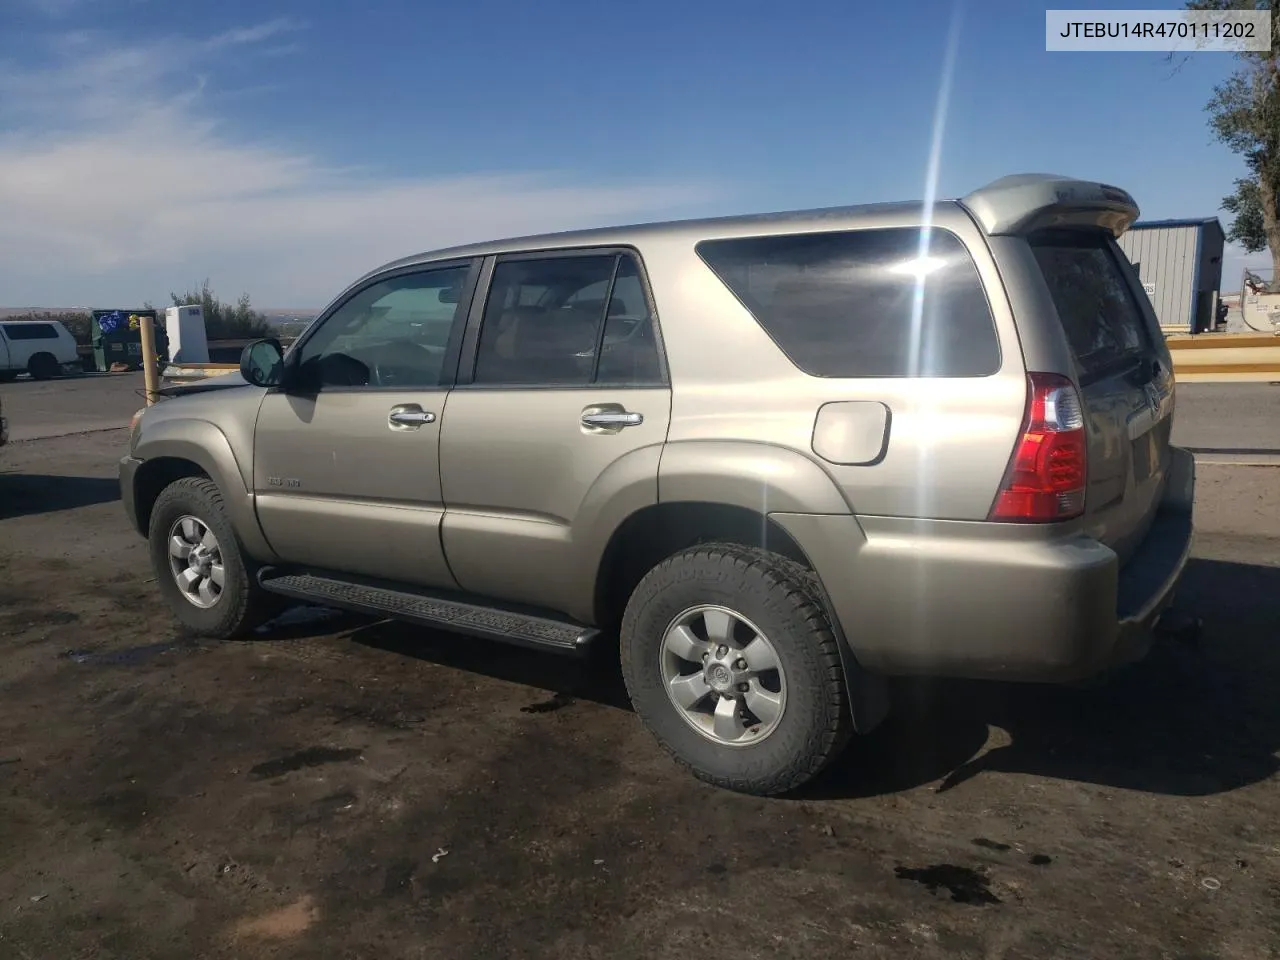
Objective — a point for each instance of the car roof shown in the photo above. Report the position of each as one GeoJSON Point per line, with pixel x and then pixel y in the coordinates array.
{"type": "Point", "coordinates": [632, 234]}
{"type": "Point", "coordinates": [1009, 205]}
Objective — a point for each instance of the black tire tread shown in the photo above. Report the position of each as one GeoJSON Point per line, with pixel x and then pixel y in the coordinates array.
{"type": "Point", "coordinates": [43, 366]}
{"type": "Point", "coordinates": [250, 606]}
{"type": "Point", "coordinates": [798, 587]}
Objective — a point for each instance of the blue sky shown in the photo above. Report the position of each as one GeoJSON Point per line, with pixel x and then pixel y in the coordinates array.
{"type": "Point", "coordinates": [281, 148]}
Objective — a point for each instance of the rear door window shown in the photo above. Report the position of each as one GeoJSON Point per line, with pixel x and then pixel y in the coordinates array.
{"type": "Point", "coordinates": [1102, 320]}
{"type": "Point", "coordinates": [864, 303]}
{"type": "Point", "coordinates": [568, 321]}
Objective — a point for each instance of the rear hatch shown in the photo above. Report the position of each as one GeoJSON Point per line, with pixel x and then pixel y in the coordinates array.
{"type": "Point", "coordinates": [1122, 370]}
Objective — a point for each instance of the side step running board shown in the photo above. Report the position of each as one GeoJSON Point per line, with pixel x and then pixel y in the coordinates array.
{"type": "Point", "coordinates": [431, 610]}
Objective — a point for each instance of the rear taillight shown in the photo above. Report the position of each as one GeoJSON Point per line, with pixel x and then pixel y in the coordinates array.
{"type": "Point", "coordinates": [1046, 476]}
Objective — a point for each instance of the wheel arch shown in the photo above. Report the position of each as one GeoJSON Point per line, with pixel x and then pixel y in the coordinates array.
{"type": "Point", "coordinates": [653, 533]}
{"type": "Point", "coordinates": [172, 449]}
{"type": "Point", "coordinates": [152, 477]}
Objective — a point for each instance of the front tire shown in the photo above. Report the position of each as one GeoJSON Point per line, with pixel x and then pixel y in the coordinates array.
{"type": "Point", "coordinates": [731, 663]}
{"type": "Point", "coordinates": [204, 575]}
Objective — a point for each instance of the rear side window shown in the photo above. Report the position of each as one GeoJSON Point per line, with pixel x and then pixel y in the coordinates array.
{"type": "Point", "coordinates": [30, 331]}
{"type": "Point", "coordinates": [1099, 314]}
{"type": "Point", "coordinates": [864, 303]}
{"type": "Point", "coordinates": [568, 321]}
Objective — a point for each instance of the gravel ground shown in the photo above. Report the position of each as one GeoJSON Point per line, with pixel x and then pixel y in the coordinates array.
{"type": "Point", "coordinates": [338, 788]}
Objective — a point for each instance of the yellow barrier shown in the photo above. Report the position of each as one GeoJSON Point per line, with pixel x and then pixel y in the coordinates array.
{"type": "Point", "coordinates": [197, 371]}
{"type": "Point", "coordinates": [1225, 357]}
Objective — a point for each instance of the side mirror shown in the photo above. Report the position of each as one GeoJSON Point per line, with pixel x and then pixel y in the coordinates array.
{"type": "Point", "coordinates": [261, 363]}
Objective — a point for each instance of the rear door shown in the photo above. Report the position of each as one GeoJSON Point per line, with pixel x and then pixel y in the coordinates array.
{"type": "Point", "coordinates": [1125, 380]}
{"type": "Point", "coordinates": [555, 425]}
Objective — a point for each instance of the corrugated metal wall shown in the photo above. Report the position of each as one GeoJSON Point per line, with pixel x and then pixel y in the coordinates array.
{"type": "Point", "coordinates": [1166, 262]}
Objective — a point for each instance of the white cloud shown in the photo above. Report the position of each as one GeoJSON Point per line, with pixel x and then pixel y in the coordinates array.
{"type": "Point", "coordinates": [116, 186]}
{"type": "Point", "coordinates": [254, 34]}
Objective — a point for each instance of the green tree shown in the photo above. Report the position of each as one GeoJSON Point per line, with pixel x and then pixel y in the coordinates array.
{"type": "Point", "coordinates": [225, 321]}
{"type": "Point", "coordinates": [1244, 114]}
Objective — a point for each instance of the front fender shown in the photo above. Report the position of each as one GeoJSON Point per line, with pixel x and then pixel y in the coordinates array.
{"type": "Point", "coordinates": [204, 444]}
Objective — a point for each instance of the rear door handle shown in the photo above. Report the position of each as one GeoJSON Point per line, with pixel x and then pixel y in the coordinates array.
{"type": "Point", "coordinates": [411, 416]}
{"type": "Point", "coordinates": [612, 419]}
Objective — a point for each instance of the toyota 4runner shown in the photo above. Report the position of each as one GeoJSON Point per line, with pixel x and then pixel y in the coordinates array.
{"type": "Point", "coordinates": [780, 458]}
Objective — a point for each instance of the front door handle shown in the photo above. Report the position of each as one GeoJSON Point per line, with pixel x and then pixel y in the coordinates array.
{"type": "Point", "coordinates": [409, 416]}
{"type": "Point", "coordinates": [612, 419]}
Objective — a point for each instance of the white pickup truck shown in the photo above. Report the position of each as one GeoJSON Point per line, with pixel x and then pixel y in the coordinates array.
{"type": "Point", "coordinates": [42, 348]}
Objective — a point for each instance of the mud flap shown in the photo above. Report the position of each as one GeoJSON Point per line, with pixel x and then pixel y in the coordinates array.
{"type": "Point", "coordinates": [868, 691]}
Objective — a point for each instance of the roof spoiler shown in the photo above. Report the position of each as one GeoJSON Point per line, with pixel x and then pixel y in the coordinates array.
{"type": "Point", "coordinates": [1032, 201]}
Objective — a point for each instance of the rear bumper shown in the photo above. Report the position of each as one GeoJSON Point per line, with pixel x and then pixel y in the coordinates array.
{"type": "Point", "coordinates": [1148, 581]}
{"type": "Point", "coordinates": [996, 601]}
{"type": "Point", "coordinates": [128, 470]}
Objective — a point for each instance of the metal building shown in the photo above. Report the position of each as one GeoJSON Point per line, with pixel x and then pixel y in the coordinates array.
{"type": "Point", "coordinates": [1180, 265]}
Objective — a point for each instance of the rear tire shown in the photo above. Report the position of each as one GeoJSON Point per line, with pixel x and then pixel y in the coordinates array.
{"type": "Point", "coordinates": [207, 581]}
{"type": "Point", "coordinates": [43, 366]}
{"type": "Point", "coordinates": [679, 612]}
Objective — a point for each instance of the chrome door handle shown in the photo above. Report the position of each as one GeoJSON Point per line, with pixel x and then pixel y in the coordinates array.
{"type": "Point", "coordinates": [410, 418]}
{"type": "Point", "coordinates": [612, 418]}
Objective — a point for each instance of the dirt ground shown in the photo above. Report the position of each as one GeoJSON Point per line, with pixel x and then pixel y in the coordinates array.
{"type": "Point", "coordinates": [337, 789]}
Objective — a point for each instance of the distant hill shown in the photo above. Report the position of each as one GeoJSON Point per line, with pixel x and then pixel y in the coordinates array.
{"type": "Point", "coordinates": [23, 311]}
{"type": "Point", "coordinates": [276, 313]}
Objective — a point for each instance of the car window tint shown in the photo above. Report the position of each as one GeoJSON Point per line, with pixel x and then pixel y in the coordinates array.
{"type": "Point", "coordinates": [548, 336]}
{"type": "Point", "coordinates": [1099, 314]}
{"type": "Point", "coordinates": [30, 331]}
{"type": "Point", "coordinates": [393, 333]}
{"type": "Point", "coordinates": [629, 353]}
{"type": "Point", "coordinates": [864, 303]}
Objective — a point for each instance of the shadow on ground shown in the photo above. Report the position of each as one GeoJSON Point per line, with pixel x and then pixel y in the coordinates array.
{"type": "Point", "coordinates": [596, 678]}
{"type": "Point", "coordinates": [1188, 721]}
{"type": "Point", "coordinates": [23, 495]}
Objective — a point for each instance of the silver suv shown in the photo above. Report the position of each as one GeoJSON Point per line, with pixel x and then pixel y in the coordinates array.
{"type": "Point", "coordinates": [781, 458]}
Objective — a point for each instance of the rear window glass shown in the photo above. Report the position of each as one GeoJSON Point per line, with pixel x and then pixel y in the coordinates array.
{"type": "Point", "coordinates": [864, 303]}
{"type": "Point", "coordinates": [1099, 314]}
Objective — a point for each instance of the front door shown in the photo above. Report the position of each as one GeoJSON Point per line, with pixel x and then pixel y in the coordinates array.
{"type": "Point", "coordinates": [555, 430]}
{"type": "Point", "coordinates": [346, 463]}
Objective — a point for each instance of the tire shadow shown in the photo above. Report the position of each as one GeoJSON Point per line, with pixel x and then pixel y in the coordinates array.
{"type": "Point", "coordinates": [1190, 720]}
